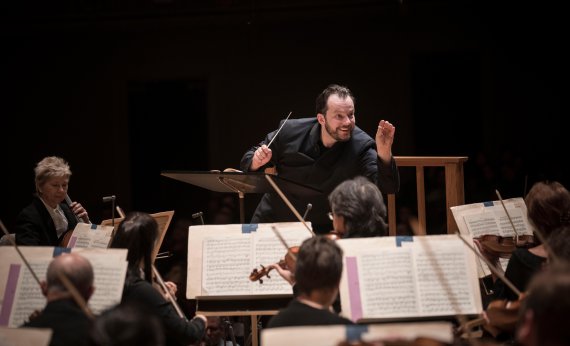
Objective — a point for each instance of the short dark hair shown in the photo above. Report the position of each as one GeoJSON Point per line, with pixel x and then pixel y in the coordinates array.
{"type": "Point", "coordinates": [548, 206]}
{"type": "Point", "coordinates": [137, 233]}
{"type": "Point", "coordinates": [319, 264]}
{"type": "Point", "coordinates": [360, 203]}
{"type": "Point", "coordinates": [126, 325]}
{"type": "Point", "coordinates": [559, 244]}
{"type": "Point", "coordinates": [333, 89]}
{"type": "Point", "coordinates": [549, 300]}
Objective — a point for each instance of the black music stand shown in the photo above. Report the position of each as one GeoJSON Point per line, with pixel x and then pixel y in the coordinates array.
{"type": "Point", "coordinates": [240, 183]}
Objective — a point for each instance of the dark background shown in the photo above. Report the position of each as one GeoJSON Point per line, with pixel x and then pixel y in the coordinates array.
{"type": "Point", "coordinates": [126, 89]}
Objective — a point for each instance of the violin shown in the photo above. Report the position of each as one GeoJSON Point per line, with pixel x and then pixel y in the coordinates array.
{"type": "Point", "coordinates": [503, 247]}
{"type": "Point", "coordinates": [501, 316]}
{"type": "Point", "coordinates": [288, 263]}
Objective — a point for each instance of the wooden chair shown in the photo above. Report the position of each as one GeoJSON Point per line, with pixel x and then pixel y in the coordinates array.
{"type": "Point", "coordinates": [454, 188]}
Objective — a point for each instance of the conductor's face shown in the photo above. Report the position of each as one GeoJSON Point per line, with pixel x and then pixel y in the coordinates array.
{"type": "Point", "coordinates": [339, 120]}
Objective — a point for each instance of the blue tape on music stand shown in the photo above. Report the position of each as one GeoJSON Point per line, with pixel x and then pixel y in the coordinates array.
{"type": "Point", "coordinates": [93, 226]}
{"type": "Point", "coordinates": [59, 250]}
{"type": "Point", "coordinates": [354, 332]}
{"type": "Point", "coordinates": [488, 204]}
{"type": "Point", "coordinates": [403, 238]}
{"type": "Point", "coordinates": [249, 227]}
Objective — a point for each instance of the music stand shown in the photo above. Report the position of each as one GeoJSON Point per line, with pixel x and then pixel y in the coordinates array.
{"type": "Point", "coordinates": [240, 183]}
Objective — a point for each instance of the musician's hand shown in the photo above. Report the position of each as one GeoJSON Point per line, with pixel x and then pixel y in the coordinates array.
{"type": "Point", "coordinates": [78, 210]}
{"type": "Point", "coordinates": [285, 274]}
{"type": "Point", "coordinates": [202, 317]}
{"type": "Point", "coordinates": [34, 315]}
{"type": "Point", "coordinates": [172, 289]}
{"type": "Point", "coordinates": [384, 140]}
{"type": "Point", "coordinates": [260, 157]}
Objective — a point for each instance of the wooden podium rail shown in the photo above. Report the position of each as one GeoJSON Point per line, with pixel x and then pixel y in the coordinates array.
{"type": "Point", "coordinates": [454, 188]}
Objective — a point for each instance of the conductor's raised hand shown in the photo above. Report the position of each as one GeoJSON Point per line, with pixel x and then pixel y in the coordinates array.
{"type": "Point", "coordinates": [261, 156]}
{"type": "Point", "coordinates": [384, 140]}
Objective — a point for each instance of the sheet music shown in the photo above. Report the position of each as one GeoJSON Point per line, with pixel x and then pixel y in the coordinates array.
{"type": "Point", "coordinates": [90, 236]}
{"type": "Point", "coordinates": [227, 264]}
{"type": "Point", "coordinates": [477, 219]}
{"type": "Point", "coordinates": [425, 276]}
{"type": "Point", "coordinates": [334, 334]}
{"type": "Point", "coordinates": [21, 294]}
{"type": "Point", "coordinates": [389, 288]}
{"type": "Point", "coordinates": [221, 258]}
{"type": "Point", "coordinates": [25, 336]}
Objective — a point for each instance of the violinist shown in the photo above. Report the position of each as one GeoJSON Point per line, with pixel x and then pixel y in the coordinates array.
{"type": "Point", "coordinates": [544, 313]}
{"type": "Point", "coordinates": [322, 152]}
{"type": "Point", "coordinates": [317, 273]}
{"type": "Point", "coordinates": [139, 233]}
{"type": "Point", "coordinates": [70, 325]}
{"type": "Point", "coordinates": [47, 218]}
{"type": "Point", "coordinates": [358, 210]}
{"type": "Point", "coordinates": [502, 316]}
{"type": "Point", "coordinates": [548, 208]}
{"type": "Point", "coordinates": [126, 324]}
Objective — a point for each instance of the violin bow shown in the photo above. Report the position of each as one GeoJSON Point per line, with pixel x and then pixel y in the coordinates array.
{"type": "Point", "coordinates": [66, 282]}
{"type": "Point", "coordinates": [282, 240]}
{"type": "Point", "coordinates": [537, 233]}
{"type": "Point", "coordinates": [286, 200]}
{"type": "Point", "coordinates": [508, 215]}
{"type": "Point", "coordinates": [13, 241]}
{"type": "Point", "coordinates": [75, 294]}
{"type": "Point", "coordinates": [491, 266]}
{"type": "Point", "coordinates": [167, 292]}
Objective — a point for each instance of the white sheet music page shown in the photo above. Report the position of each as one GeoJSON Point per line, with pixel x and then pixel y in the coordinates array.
{"type": "Point", "coordinates": [20, 294]}
{"type": "Point", "coordinates": [90, 236]}
{"type": "Point", "coordinates": [478, 219]}
{"type": "Point", "coordinates": [408, 278]}
{"type": "Point", "coordinates": [222, 257]}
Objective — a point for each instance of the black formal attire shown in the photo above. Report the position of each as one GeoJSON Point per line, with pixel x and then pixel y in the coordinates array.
{"type": "Point", "coordinates": [299, 155]}
{"type": "Point", "coordinates": [35, 226]}
{"type": "Point", "coordinates": [69, 323]}
{"type": "Point", "coordinates": [299, 314]}
{"type": "Point", "coordinates": [521, 268]}
{"type": "Point", "coordinates": [178, 331]}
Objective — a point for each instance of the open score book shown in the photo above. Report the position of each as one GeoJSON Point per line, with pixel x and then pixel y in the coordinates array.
{"type": "Point", "coordinates": [408, 278]}
{"type": "Point", "coordinates": [221, 257]}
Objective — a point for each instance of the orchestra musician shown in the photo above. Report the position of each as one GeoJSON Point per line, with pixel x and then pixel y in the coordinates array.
{"type": "Point", "coordinates": [318, 272]}
{"type": "Point", "coordinates": [62, 314]}
{"type": "Point", "coordinates": [126, 324]}
{"type": "Point", "coordinates": [548, 209]}
{"type": "Point", "coordinates": [358, 210]}
{"type": "Point", "coordinates": [322, 152]}
{"type": "Point", "coordinates": [47, 218]}
{"type": "Point", "coordinates": [138, 233]}
{"type": "Point", "coordinates": [544, 313]}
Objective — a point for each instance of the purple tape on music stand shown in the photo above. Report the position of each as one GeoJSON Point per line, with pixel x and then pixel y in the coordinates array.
{"type": "Point", "coordinates": [9, 294]}
{"type": "Point", "coordinates": [353, 288]}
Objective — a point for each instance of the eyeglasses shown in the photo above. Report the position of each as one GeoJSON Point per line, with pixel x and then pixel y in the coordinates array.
{"type": "Point", "coordinates": [330, 214]}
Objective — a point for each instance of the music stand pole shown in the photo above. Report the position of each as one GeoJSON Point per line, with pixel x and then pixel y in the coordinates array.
{"type": "Point", "coordinates": [241, 196]}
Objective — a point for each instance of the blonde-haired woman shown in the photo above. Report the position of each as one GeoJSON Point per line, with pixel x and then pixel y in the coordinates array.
{"type": "Point", "coordinates": [47, 218]}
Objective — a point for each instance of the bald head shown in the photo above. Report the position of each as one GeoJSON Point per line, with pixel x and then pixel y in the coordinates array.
{"type": "Point", "coordinates": [76, 268]}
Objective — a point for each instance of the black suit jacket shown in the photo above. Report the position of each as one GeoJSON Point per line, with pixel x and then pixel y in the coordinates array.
{"type": "Point", "coordinates": [298, 155]}
{"type": "Point", "coordinates": [69, 324]}
{"type": "Point", "coordinates": [34, 225]}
